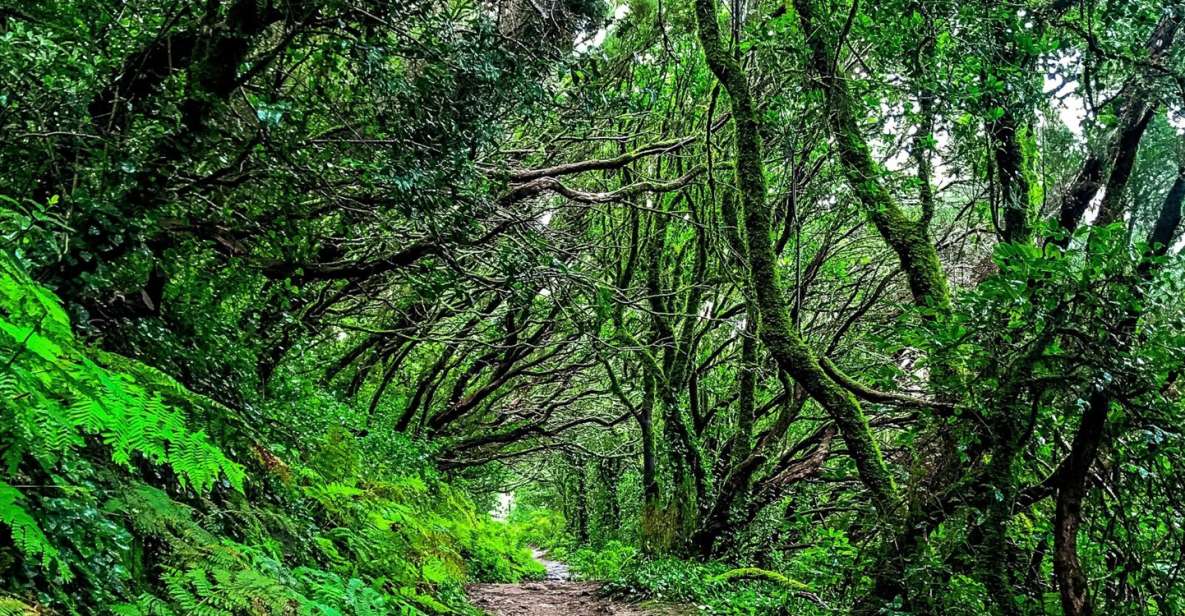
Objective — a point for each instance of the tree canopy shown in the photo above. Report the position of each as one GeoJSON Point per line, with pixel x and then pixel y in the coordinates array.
{"type": "Point", "coordinates": [867, 308]}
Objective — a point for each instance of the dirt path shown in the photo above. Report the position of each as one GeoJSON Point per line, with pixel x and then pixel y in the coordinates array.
{"type": "Point", "coordinates": [557, 595]}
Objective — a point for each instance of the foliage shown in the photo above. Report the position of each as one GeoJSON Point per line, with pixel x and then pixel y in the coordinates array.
{"type": "Point", "coordinates": [713, 588]}
{"type": "Point", "coordinates": [542, 528]}
{"type": "Point", "coordinates": [763, 306]}
{"type": "Point", "coordinates": [142, 515]}
{"type": "Point", "coordinates": [57, 397]}
{"type": "Point", "coordinates": [604, 563]}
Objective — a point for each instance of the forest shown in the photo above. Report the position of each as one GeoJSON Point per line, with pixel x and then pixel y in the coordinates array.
{"type": "Point", "coordinates": [592, 307]}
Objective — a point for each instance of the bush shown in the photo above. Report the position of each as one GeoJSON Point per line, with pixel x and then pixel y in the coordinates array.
{"type": "Point", "coordinates": [542, 528]}
{"type": "Point", "coordinates": [713, 588]}
{"type": "Point", "coordinates": [601, 564]}
{"type": "Point", "coordinates": [498, 555]}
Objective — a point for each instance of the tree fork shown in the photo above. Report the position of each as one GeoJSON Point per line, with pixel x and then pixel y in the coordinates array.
{"type": "Point", "coordinates": [789, 351]}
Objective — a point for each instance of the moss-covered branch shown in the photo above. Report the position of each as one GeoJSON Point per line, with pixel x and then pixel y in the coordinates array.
{"type": "Point", "coordinates": [788, 349]}
{"type": "Point", "coordinates": [909, 238]}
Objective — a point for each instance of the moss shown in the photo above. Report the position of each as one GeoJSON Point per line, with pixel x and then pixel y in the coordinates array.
{"type": "Point", "coordinates": [775, 328]}
{"type": "Point", "coordinates": [755, 573]}
{"type": "Point", "coordinates": [659, 528]}
{"type": "Point", "coordinates": [910, 239]}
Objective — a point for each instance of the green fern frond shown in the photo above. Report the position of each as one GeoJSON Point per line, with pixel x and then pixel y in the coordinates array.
{"type": "Point", "coordinates": [26, 534]}
{"type": "Point", "coordinates": [15, 607]}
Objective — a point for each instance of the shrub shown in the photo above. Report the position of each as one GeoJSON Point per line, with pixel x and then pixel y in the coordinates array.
{"type": "Point", "coordinates": [542, 528]}
{"type": "Point", "coordinates": [714, 588]}
{"type": "Point", "coordinates": [601, 564]}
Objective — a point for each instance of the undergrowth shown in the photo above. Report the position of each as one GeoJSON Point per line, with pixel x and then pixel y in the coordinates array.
{"type": "Point", "coordinates": [720, 588]}
{"type": "Point", "coordinates": [122, 492]}
{"type": "Point", "coordinates": [805, 581]}
{"type": "Point", "coordinates": [713, 588]}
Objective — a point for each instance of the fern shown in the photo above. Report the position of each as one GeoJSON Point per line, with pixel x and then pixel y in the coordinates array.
{"type": "Point", "coordinates": [50, 372]}
{"type": "Point", "coordinates": [154, 606]}
{"type": "Point", "coordinates": [15, 607]}
{"type": "Point", "coordinates": [337, 532]}
{"type": "Point", "coordinates": [26, 535]}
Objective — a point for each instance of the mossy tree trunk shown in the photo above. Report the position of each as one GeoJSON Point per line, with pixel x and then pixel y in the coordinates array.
{"type": "Point", "coordinates": [788, 349]}
{"type": "Point", "coordinates": [910, 239]}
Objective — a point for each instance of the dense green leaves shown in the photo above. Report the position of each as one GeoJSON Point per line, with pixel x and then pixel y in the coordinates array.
{"type": "Point", "coordinates": [874, 305]}
{"type": "Point", "coordinates": [391, 540]}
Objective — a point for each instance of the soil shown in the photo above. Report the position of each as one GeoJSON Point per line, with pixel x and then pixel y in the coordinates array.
{"type": "Point", "coordinates": [557, 595]}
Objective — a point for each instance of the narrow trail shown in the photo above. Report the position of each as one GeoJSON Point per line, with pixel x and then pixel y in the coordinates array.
{"type": "Point", "coordinates": [555, 595]}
